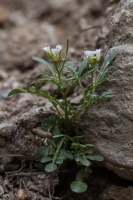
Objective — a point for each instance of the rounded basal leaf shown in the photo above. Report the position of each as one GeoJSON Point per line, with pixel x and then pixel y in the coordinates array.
{"type": "Point", "coordinates": [43, 151]}
{"type": "Point", "coordinates": [56, 131]}
{"type": "Point", "coordinates": [45, 159]}
{"type": "Point", "coordinates": [85, 162]}
{"type": "Point", "coordinates": [90, 157]}
{"type": "Point", "coordinates": [89, 151]}
{"type": "Point", "coordinates": [59, 161]}
{"type": "Point", "coordinates": [78, 186]}
{"type": "Point", "coordinates": [99, 158]}
{"type": "Point", "coordinates": [50, 167]}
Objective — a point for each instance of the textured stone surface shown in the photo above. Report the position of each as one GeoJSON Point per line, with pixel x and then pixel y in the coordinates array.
{"type": "Point", "coordinates": [109, 124]}
{"type": "Point", "coordinates": [7, 129]}
{"type": "Point", "coordinates": [117, 193]}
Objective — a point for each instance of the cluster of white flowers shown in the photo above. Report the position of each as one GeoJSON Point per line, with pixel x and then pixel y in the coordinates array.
{"type": "Point", "coordinates": [93, 55]}
{"type": "Point", "coordinates": [54, 51]}
{"type": "Point", "coordinates": [55, 54]}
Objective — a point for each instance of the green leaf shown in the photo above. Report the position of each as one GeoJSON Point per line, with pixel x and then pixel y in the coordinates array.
{"type": "Point", "coordinates": [82, 67]}
{"type": "Point", "coordinates": [17, 91]}
{"type": "Point", "coordinates": [78, 186]}
{"type": "Point", "coordinates": [58, 161]}
{"type": "Point", "coordinates": [107, 94]}
{"type": "Point", "coordinates": [99, 158]}
{"type": "Point", "coordinates": [85, 162]}
{"type": "Point", "coordinates": [56, 131]}
{"type": "Point", "coordinates": [69, 155]}
{"type": "Point", "coordinates": [43, 151]}
{"type": "Point", "coordinates": [58, 136]}
{"type": "Point", "coordinates": [110, 57]}
{"type": "Point", "coordinates": [89, 145]}
{"type": "Point", "coordinates": [49, 123]}
{"type": "Point", "coordinates": [89, 151]}
{"type": "Point", "coordinates": [61, 156]}
{"type": "Point", "coordinates": [90, 157]}
{"type": "Point", "coordinates": [44, 62]}
{"type": "Point", "coordinates": [45, 159]}
{"type": "Point", "coordinates": [50, 167]}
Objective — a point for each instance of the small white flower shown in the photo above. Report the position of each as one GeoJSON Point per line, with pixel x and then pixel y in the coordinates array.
{"type": "Point", "coordinates": [57, 50]}
{"type": "Point", "coordinates": [47, 49]}
{"type": "Point", "coordinates": [93, 56]}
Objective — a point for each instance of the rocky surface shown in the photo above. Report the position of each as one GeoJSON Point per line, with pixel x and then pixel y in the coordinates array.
{"type": "Point", "coordinates": [109, 124]}
{"type": "Point", "coordinates": [117, 193]}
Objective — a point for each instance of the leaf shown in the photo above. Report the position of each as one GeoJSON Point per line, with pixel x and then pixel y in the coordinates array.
{"type": "Point", "coordinates": [89, 151]}
{"type": "Point", "coordinates": [78, 186]}
{"type": "Point", "coordinates": [48, 123]}
{"type": "Point", "coordinates": [44, 62]}
{"type": "Point", "coordinates": [69, 155]}
{"type": "Point", "coordinates": [56, 131]}
{"type": "Point", "coordinates": [89, 145]}
{"type": "Point", "coordinates": [58, 136]}
{"type": "Point", "coordinates": [85, 162]}
{"type": "Point", "coordinates": [90, 157]}
{"type": "Point", "coordinates": [17, 91]}
{"type": "Point", "coordinates": [43, 151]}
{"type": "Point", "coordinates": [58, 161]}
{"type": "Point", "coordinates": [110, 57]}
{"type": "Point", "coordinates": [82, 67]}
{"type": "Point", "coordinates": [45, 159]}
{"type": "Point", "coordinates": [107, 94]}
{"type": "Point", "coordinates": [99, 158]}
{"type": "Point", "coordinates": [50, 167]}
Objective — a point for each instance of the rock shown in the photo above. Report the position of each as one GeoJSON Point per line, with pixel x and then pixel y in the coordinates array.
{"type": "Point", "coordinates": [109, 124]}
{"type": "Point", "coordinates": [2, 141]}
{"type": "Point", "coordinates": [1, 191]}
{"type": "Point", "coordinates": [4, 93]}
{"type": "Point", "coordinates": [2, 117]}
{"type": "Point", "coordinates": [117, 193]}
{"type": "Point", "coordinates": [13, 55]}
{"type": "Point", "coordinates": [7, 129]}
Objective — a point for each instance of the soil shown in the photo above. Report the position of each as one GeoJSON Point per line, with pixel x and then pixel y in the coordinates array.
{"type": "Point", "coordinates": [26, 26]}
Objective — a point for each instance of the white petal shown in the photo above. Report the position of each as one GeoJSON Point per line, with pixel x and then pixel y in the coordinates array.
{"type": "Point", "coordinates": [55, 52]}
{"type": "Point", "coordinates": [59, 47]}
{"type": "Point", "coordinates": [47, 49]}
{"type": "Point", "coordinates": [88, 53]}
{"type": "Point", "coordinates": [98, 52]}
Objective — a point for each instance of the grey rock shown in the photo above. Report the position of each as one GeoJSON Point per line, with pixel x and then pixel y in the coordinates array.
{"type": "Point", "coordinates": [2, 141]}
{"type": "Point", "coordinates": [4, 93]}
{"type": "Point", "coordinates": [117, 193]}
{"type": "Point", "coordinates": [109, 124]}
{"type": "Point", "coordinates": [1, 191]}
{"type": "Point", "coordinates": [7, 129]}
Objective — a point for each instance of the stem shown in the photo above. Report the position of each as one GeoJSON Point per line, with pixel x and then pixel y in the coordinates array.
{"type": "Point", "coordinates": [56, 67]}
{"type": "Point", "coordinates": [57, 150]}
{"type": "Point", "coordinates": [82, 89]}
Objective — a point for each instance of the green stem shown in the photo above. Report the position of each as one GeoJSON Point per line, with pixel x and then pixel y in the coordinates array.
{"type": "Point", "coordinates": [57, 150]}
{"type": "Point", "coordinates": [82, 89]}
